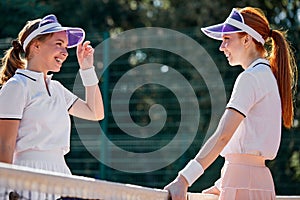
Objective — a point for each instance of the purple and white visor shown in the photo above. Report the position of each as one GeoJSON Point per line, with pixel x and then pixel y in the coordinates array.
{"type": "Point", "coordinates": [49, 24]}
{"type": "Point", "coordinates": [233, 24]}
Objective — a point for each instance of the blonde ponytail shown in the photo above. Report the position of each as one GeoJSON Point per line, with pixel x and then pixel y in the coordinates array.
{"type": "Point", "coordinates": [13, 57]}
{"type": "Point", "coordinates": [11, 62]}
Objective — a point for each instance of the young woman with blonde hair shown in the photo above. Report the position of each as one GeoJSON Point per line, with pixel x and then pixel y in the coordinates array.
{"type": "Point", "coordinates": [35, 124]}
{"type": "Point", "coordinates": [249, 131]}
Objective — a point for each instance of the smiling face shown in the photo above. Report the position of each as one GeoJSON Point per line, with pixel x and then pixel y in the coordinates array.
{"type": "Point", "coordinates": [49, 55]}
{"type": "Point", "coordinates": [233, 48]}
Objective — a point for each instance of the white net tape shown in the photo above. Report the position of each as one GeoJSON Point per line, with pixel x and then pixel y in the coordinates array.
{"type": "Point", "coordinates": [54, 185]}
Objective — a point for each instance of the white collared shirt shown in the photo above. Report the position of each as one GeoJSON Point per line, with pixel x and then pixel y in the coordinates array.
{"type": "Point", "coordinates": [256, 96]}
{"type": "Point", "coordinates": [45, 121]}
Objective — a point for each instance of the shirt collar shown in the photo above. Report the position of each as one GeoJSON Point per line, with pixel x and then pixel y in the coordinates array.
{"type": "Point", "coordinates": [259, 60]}
{"type": "Point", "coordinates": [36, 76]}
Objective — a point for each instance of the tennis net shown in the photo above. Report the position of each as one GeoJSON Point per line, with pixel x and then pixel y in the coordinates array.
{"type": "Point", "coordinates": [26, 183]}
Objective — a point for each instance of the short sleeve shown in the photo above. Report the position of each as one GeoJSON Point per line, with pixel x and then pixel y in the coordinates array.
{"type": "Point", "coordinates": [69, 97]}
{"type": "Point", "coordinates": [243, 94]}
{"type": "Point", "coordinates": [12, 100]}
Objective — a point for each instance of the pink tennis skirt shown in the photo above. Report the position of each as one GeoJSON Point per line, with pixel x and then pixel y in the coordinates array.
{"type": "Point", "coordinates": [246, 177]}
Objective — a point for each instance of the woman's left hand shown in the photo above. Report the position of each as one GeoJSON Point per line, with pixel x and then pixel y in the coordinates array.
{"type": "Point", "coordinates": [85, 55]}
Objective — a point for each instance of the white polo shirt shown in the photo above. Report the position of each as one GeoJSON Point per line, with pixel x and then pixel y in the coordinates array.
{"type": "Point", "coordinates": [256, 96]}
{"type": "Point", "coordinates": [45, 121]}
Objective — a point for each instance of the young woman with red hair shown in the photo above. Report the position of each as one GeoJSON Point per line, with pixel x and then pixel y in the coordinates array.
{"type": "Point", "coordinates": [249, 131]}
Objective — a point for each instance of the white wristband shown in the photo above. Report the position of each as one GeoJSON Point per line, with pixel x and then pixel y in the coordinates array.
{"type": "Point", "coordinates": [192, 171]}
{"type": "Point", "coordinates": [88, 76]}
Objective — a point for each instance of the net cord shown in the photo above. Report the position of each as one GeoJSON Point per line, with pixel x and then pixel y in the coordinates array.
{"type": "Point", "coordinates": [24, 178]}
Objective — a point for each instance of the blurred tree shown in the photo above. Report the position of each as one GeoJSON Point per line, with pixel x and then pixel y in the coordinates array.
{"type": "Point", "coordinates": [120, 15]}
{"type": "Point", "coordinates": [15, 13]}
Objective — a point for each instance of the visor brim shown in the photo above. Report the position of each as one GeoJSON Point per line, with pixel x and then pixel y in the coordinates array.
{"type": "Point", "coordinates": [217, 31]}
{"type": "Point", "coordinates": [75, 35]}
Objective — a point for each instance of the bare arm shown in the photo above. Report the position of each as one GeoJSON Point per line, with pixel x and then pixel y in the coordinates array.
{"type": "Point", "coordinates": [92, 107]}
{"type": "Point", "coordinates": [8, 135]}
{"type": "Point", "coordinates": [229, 122]}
